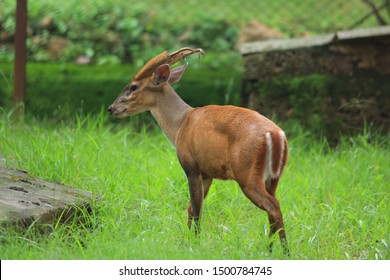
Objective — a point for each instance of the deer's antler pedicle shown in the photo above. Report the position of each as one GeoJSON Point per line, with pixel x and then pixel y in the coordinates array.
{"type": "Point", "coordinates": [165, 58]}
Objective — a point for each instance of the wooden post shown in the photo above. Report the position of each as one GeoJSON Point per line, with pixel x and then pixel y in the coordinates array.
{"type": "Point", "coordinates": [20, 57]}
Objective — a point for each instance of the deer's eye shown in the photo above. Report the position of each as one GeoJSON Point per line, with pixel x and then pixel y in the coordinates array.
{"type": "Point", "coordinates": [130, 89]}
{"type": "Point", "coordinates": [133, 88]}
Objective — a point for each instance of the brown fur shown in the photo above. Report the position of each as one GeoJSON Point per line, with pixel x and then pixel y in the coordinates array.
{"type": "Point", "coordinates": [151, 65]}
{"type": "Point", "coordinates": [164, 58]}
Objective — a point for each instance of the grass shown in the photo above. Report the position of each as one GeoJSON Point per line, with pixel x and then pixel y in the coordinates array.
{"type": "Point", "coordinates": [335, 200]}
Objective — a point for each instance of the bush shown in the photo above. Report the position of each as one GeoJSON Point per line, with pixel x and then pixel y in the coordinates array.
{"type": "Point", "coordinates": [109, 32]}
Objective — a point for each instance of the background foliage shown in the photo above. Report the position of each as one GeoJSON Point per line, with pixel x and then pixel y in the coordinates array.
{"type": "Point", "coordinates": [107, 33]}
{"type": "Point", "coordinates": [111, 32]}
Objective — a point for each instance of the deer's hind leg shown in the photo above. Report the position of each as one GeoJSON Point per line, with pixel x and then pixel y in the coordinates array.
{"type": "Point", "coordinates": [271, 186]}
{"type": "Point", "coordinates": [260, 196]}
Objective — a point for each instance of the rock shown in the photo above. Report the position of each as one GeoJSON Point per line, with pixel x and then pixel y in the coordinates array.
{"type": "Point", "coordinates": [26, 199]}
{"type": "Point", "coordinates": [83, 60]}
{"type": "Point", "coordinates": [6, 37]}
{"type": "Point", "coordinates": [256, 31]}
{"type": "Point", "coordinates": [109, 39]}
{"type": "Point", "coordinates": [47, 23]}
{"type": "Point", "coordinates": [38, 41]}
{"type": "Point", "coordinates": [56, 46]}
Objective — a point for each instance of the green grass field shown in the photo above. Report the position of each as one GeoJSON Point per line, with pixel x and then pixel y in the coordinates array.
{"type": "Point", "coordinates": [335, 200]}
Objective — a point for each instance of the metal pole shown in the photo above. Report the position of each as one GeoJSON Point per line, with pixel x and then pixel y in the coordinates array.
{"type": "Point", "coordinates": [20, 57]}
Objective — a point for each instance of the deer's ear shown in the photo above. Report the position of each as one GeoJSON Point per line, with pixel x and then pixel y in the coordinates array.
{"type": "Point", "coordinates": [161, 74]}
{"type": "Point", "coordinates": [177, 73]}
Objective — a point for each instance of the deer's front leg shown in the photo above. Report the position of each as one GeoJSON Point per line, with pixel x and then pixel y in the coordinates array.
{"type": "Point", "coordinates": [206, 183]}
{"type": "Point", "coordinates": [197, 196]}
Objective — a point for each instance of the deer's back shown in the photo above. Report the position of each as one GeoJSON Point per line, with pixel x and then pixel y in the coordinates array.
{"type": "Point", "coordinates": [223, 141]}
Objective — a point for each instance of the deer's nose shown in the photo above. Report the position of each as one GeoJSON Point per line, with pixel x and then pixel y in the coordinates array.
{"type": "Point", "coordinates": [110, 109]}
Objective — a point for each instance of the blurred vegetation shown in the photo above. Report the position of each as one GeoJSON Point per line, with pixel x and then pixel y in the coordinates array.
{"type": "Point", "coordinates": [107, 35]}
{"type": "Point", "coordinates": [120, 31]}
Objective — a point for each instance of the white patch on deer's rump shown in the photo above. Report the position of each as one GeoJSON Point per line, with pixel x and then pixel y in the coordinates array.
{"type": "Point", "coordinates": [268, 157]}
{"type": "Point", "coordinates": [268, 164]}
{"type": "Point", "coordinates": [282, 147]}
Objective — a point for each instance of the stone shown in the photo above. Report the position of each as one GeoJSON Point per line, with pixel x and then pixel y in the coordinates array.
{"type": "Point", "coordinates": [27, 200]}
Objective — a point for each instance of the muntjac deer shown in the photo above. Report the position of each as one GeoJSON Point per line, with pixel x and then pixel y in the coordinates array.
{"type": "Point", "coordinates": [222, 142]}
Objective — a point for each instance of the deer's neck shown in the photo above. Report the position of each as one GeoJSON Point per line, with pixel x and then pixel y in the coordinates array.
{"type": "Point", "coordinates": [170, 111]}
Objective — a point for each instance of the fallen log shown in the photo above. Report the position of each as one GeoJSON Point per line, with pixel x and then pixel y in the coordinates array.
{"type": "Point", "coordinates": [27, 200]}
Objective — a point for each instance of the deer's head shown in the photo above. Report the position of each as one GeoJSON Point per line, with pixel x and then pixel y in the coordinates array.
{"type": "Point", "coordinates": [140, 94]}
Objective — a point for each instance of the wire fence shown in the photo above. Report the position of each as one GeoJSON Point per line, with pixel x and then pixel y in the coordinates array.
{"type": "Point", "coordinates": [297, 18]}
{"type": "Point", "coordinates": [118, 31]}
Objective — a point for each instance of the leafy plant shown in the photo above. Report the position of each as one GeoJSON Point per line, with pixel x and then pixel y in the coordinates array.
{"type": "Point", "coordinates": [133, 31]}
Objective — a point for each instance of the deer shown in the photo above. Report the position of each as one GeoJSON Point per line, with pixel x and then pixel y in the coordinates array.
{"type": "Point", "coordinates": [223, 142]}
